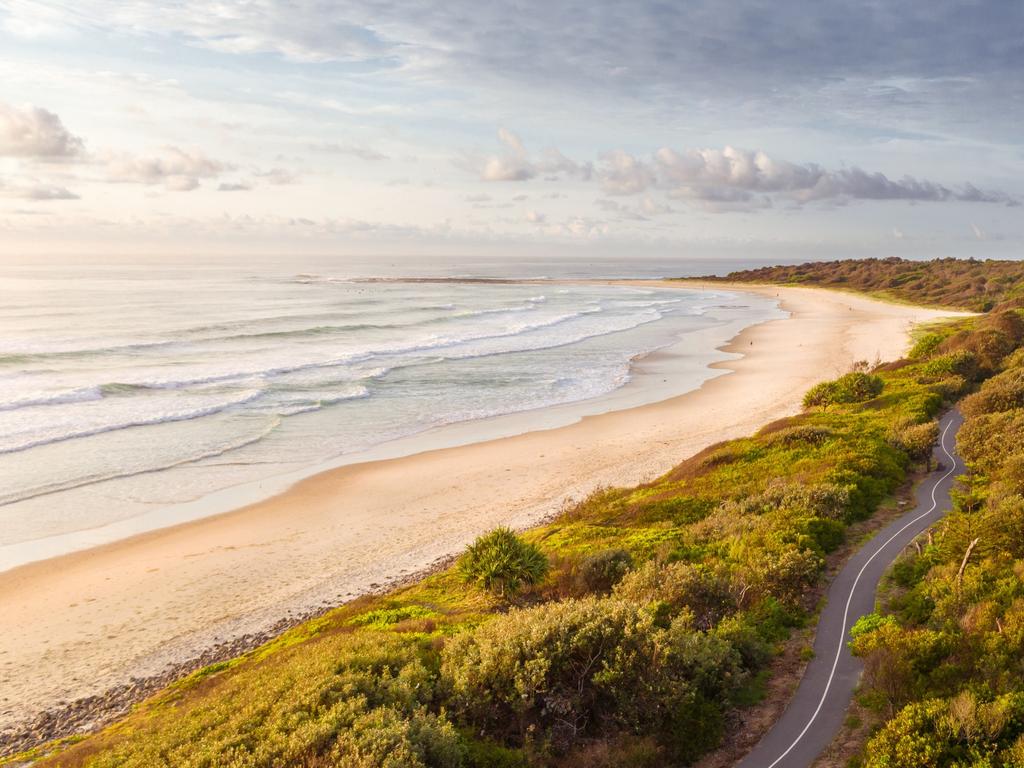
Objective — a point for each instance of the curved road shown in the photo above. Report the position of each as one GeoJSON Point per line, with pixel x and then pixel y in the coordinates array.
{"type": "Point", "coordinates": [818, 708]}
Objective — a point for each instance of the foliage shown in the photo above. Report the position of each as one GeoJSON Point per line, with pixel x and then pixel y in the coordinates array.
{"type": "Point", "coordinates": [914, 439]}
{"type": "Point", "coordinates": [854, 387]}
{"type": "Point", "coordinates": [602, 570]}
{"type": "Point", "coordinates": [502, 562]}
{"type": "Point", "coordinates": [961, 283]}
{"type": "Point", "coordinates": [559, 672]}
{"type": "Point", "coordinates": [947, 666]}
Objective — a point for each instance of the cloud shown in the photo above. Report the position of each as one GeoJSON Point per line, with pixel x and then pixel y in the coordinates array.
{"type": "Point", "coordinates": [33, 132]}
{"type": "Point", "coordinates": [175, 168]}
{"type": "Point", "coordinates": [233, 186]}
{"type": "Point", "coordinates": [622, 174]}
{"type": "Point", "coordinates": [278, 176]}
{"type": "Point", "coordinates": [516, 164]}
{"type": "Point", "coordinates": [30, 189]}
{"type": "Point", "coordinates": [731, 178]}
{"type": "Point", "coordinates": [363, 153]}
{"type": "Point", "coordinates": [652, 45]}
{"type": "Point", "coordinates": [535, 217]}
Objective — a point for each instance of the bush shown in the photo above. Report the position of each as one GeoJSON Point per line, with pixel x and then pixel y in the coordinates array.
{"type": "Point", "coordinates": [915, 440]}
{"type": "Point", "coordinates": [502, 562]}
{"type": "Point", "coordinates": [960, 731]}
{"type": "Point", "coordinates": [602, 571]}
{"type": "Point", "coordinates": [677, 586]}
{"type": "Point", "coordinates": [1000, 393]}
{"type": "Point", "coordinates": [958, 363]}
{"type": "Point", "coordinates": [383, 738]}
{"type": "Point", "coordinates": [559, 672]}
{"type": "Point", "coordinates": [854, 387]}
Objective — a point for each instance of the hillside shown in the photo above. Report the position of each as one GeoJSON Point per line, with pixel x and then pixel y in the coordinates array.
{"type": "Point", "coordinates": [959, 283]}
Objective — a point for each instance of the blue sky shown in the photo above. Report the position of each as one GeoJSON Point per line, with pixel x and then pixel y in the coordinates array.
{"type": "Point", "coordinates": [692, 128]}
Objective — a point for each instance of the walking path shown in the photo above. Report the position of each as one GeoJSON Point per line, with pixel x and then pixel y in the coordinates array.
{"type": "Point", "coordinates": [818, 708]}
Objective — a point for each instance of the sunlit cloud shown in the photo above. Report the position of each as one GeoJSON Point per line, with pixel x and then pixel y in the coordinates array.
{"type": "Point", "coordinates": [176, 169]}
{"type": "Point", "coordinates": [748, 179]}
{"type": "Point", "coordinates": [33, 132]}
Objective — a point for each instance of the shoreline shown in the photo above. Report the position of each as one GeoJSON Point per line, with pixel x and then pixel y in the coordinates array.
{"type": "Point", "coordinates": [86, 622]}
{"type": "Point", "coordinates": [647, 380]}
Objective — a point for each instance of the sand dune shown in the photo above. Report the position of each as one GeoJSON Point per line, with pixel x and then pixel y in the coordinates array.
{"type": "Point", "coordinates": [77, 624]}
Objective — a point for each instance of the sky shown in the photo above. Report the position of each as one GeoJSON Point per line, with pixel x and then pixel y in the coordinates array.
{"type": "Point", "coordinates": [674, 127]}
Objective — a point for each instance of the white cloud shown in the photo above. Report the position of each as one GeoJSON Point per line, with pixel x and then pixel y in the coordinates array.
{"type": "Point", "coordinates": [363, 153]}
{"type": "Point", "coordinates": [535, 217]}
{"type": "Point", "coordinates": [278, 176]}
{"type": "Point", "coordinates": [33, 132]}
{"type": "Point", "coordinates": [622, 174]}
{"type": "Point", "coordinates": [516, 164]}
{"type": "Point", "coordinates": [734, 179]}
{"type": "Point", "coordinates": [177, 169]}
{"type": "Point", "coordinates": [31, 189]}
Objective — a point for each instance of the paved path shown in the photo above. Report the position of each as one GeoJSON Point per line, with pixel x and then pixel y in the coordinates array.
{"type": "Point", "coordinates": [818, 709]}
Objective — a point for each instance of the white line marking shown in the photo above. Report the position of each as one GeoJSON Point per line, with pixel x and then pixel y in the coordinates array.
{"type": "Point", "coordinates": [849, 599]}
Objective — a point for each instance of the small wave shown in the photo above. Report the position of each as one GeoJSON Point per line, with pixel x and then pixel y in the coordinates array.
{"type": "Point", "coordinates": [429, 344]}
{"type": "Point", "coordinates": [99, 477]}
{"type": "Point", "coordinates": [143, 421]}
{"type": "Point", "coordinates": [313, 400]}
{"type": "Point", "coordinates": [81, 395]}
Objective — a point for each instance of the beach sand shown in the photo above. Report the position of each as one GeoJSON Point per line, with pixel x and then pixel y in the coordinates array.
{"type": "Point", "coordinates": [77, 624]}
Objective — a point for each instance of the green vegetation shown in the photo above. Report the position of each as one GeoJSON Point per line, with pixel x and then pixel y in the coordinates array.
{"type": "Point", "coordinates": [945, 669]}
{"type": "Point", "coordinates": [503, 563]}
{"type": "Point", "coordinates": [624, 631]}
{"type": "Point", "coordinates": [854, 387]}
{"type": "Point", "coordinates": [961, 283]}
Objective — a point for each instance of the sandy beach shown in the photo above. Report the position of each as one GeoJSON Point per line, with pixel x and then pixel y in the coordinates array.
{"type": "Point", "coordinates": [80, 623]}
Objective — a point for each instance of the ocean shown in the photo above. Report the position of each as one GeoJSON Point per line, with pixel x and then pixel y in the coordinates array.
{"type": "Point", "coordinates": [134, 392]}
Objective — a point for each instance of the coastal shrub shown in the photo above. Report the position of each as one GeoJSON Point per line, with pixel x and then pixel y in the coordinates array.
{"type": "Point", "coordinates": [959, 363]}
{"type": "Point", "coordinates": [914, 439]}
{"type": "Point", "coordinates": [855, 387]}
{"type": "Point", "coordinates": [502, 562]}
{"type": "Point", "coordinates": [557, 673]}
{"type": "Point", "coordinates": [896, 661]}
{"type": "Point", "coordinates": [987, 440]}
{"type": "Point", "coordinates": [1002, 392]}
{"type": "Point", "coordinates": [924, 346]}
{"type": "Point", "coordinates": [386, 738]}
{"type": "Point", "coordinates": [949, 387]}
{"type": "Point", "coordinates": [802, 434]}
{"type": "Point", "coordinates": [386, 617]}
{"type": "Point", "coordinates": [958, 731]}
{"type": "Point", "coordinates": [601, 571]}
{"type": "Point", "coordinates": [679, 586]}
{"type": "Point", "coordinates": [294, 710]}
{"type": "Point", "coordinates": [960, 283]}
{"type": "Point", "coordinates": [827, 534]}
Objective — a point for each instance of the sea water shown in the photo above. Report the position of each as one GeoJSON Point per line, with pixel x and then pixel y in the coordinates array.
{"type": "Point", "coordinates": [128, 388]}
